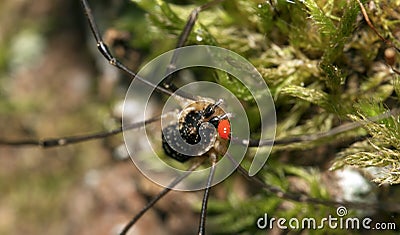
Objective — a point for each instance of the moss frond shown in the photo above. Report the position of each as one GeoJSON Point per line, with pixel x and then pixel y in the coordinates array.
{"type": "Point", "coordinates": [381, 150]}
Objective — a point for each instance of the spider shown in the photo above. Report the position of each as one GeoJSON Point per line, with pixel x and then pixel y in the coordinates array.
{"type": "Point", "coordinates": [188, 127]}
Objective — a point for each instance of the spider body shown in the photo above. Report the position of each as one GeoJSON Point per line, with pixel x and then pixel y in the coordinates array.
{"type": "Point", "coordinates": [196, 126]}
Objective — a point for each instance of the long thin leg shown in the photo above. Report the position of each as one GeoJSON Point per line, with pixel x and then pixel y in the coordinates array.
{"type": "Point", "coordinates": [53, 142]}
{"type": "Point", "coordinates": [388, 42]}
{"type": "Point", "coordinates": [104, 50]}
{"type": "Point", "coordinates": [159, 196]}
{"type": "Point", "coordinates": [203, 214]}
{"type": "Point", "coordinates": [299, 197]}
{"type": "Point", "coordinates": [61, 141]}
{"type": "Point", "coordinates": [315, 136]}
{"type": "Point", "coordinates": [183, 38]}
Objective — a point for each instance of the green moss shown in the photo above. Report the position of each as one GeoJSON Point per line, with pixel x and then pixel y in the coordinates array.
{"type": "Point", "coordinates": [324, 67]}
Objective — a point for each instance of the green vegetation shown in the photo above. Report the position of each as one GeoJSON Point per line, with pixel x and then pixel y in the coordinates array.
{"type": "Point", "coordinates": [324, 66]}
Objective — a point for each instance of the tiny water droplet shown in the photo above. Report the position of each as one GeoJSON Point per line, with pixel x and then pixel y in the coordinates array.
{"type": "Point", "coordinates": [199, 38]}
{"type": "Point", "coordinates": [259, 5]}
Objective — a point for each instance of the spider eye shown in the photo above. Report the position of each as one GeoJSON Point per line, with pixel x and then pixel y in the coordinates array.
{"type": "Point", "coordinates": [224, 129]}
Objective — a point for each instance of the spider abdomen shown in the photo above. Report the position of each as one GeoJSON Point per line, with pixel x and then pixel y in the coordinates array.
{"type": "Point", "coordinates": [189, 127]}
{"type": "Point", "coordinates": [200, 131]}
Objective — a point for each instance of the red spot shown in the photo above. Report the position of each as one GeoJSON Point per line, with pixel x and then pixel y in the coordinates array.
{"type": "Point", "coordinates": [224, 129]}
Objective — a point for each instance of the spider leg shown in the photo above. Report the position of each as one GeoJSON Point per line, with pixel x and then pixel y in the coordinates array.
{"type": "Point", "coordinates": [300, 197]}
{"type": "Point", "coordinates": [153, 201]}
{"type": "Point", "coordinates": [53, 142]}
{"type": "Point", "coordinates": [105, 51]}
{"type": "Point", "coordinates": [203, 214]}
{"type": "Point", "coordinates": [191, 21]}
{"type": "Point", "coordinates": [61, 141]}
{"type": "Point", "coordinates": [388, 42]}
{"type": "Point", "coordinates": [314, 136]}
